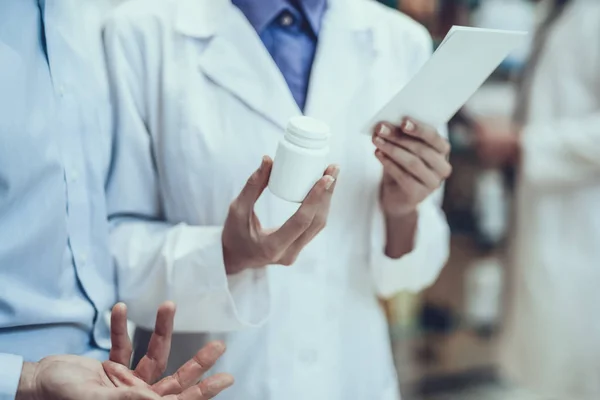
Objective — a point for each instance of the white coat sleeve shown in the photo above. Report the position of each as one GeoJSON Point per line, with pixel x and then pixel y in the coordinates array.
{"type": "Point", "coordinates": [421, 267]}
{"type": "Point", "coordinates": [158, 260]}
{"type": "Point", "coordinates": [10, 375]}
{"type": "Point", "coordinates": [562, 152]}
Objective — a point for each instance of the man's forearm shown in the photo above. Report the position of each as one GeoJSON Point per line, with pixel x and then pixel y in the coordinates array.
{"type": "Point", "coordinates": [400, 234]}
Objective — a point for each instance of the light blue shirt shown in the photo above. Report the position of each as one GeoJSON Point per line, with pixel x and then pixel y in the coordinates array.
{"type": "Point", "coordinates": [56, 274]}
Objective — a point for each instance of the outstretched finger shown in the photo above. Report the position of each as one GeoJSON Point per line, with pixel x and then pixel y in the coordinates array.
{"type": "Point", "coordinates": [192, 371]}
{"type": "Point", "coordinates": [302, 219]}
{"type": "Point", "coordinates": [205, 390]}
{"type": "Point", "coordinates": [154, 363]}
{"type": "Point", "coordinates": [319, 221]}
{"type": "Point", "coordinates": [121, 349]}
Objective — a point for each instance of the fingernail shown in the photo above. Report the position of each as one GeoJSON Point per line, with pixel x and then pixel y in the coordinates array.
{"type": "Point", "coordinates": [169, 304]}
{"type": "Point", "coordinates": [219, 383]}
{"type": "Point", "coordinates": [217, 349]}
{"type": "Point", "coordinates": [336, 171]}
{"type": "Point", "coordinates": [379, 141]}
{"type": "Point", "coordinates": [329, 181]}
{"type": "Point", "coordinates": [262, 163]}
{"type": "Point", "coordinates": [384, 130]}
{"type": "Point", "coordinates": [408, 126]}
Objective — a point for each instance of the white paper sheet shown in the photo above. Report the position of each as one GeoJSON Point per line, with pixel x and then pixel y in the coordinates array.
{"type": "Point", "coordinates": [460, 65]}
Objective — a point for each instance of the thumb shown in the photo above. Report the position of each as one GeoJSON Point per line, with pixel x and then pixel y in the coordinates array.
{"type": "Point", "coordinates": [256, 184]}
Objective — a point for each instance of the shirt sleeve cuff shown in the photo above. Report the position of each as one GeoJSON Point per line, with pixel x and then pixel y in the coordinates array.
{"type": "Point", "coordinates": [10, 375]}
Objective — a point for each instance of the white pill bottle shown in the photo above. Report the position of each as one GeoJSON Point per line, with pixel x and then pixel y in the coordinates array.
{"type": "Point", "coordinates": [301, 158]}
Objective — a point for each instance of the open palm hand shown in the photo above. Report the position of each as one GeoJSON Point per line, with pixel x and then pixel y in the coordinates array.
{"type": "Point", "coordinates": [75, 377]}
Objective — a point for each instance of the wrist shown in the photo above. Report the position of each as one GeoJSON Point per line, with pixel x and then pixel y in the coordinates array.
{"type": "Point", "coordinates": [234, 264]}
{"type": "Point", "coordinates": [401, 230]}
{"type": "Point", "coordinates": [400, 213]}
{"type": "Point", "coordinates": [232, 267]}
{"type": "Point", "coordinates": [390, 204]}
{"type": "Point", "coordinates": [26, 389]}
{"type": "Point", "coordinates": [394, 209]}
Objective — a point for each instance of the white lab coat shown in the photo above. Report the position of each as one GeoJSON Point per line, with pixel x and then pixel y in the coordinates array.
{"type": "Point", "coordinates": [552, 341]}
{"type": "Point", "coordinates": [198, 102]}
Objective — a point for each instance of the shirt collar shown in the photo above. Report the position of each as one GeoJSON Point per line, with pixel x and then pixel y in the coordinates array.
{"type": "Point", "coordinates": [261, 13]}
{"type": "Point", "coordinates": [314, 10]}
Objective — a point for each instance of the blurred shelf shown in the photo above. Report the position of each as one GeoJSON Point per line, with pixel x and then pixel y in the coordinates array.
{"type": "Point", "coordinates": [460, 359]}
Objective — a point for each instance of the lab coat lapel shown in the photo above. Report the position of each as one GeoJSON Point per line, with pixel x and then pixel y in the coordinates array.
{"type": "Point", "coordinates": [236, 60]}
{"type": "Point", "coordinates": [345, 57]}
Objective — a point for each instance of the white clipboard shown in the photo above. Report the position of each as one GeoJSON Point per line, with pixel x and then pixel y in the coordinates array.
{"type": "Point", "coordinates": [460, 65]}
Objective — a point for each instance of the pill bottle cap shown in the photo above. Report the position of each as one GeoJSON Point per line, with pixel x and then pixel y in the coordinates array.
{"type": "Point", "coordinates": [307, 132]}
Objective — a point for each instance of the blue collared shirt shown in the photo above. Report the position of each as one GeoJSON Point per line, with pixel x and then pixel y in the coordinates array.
{"type": "Point", "coordinates": [289, 30]}
{"type": "Point", "coordinates": [56, 275]}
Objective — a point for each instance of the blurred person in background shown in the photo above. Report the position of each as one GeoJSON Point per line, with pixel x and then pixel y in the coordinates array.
{"type": "Point", "coordinates": [203, 89]}
{"type": "Point", "coordinates": [420, 10]}
{"type": "Point", "coordinates": [57, 279]}
{"type": "Point", "coordinates": [552, 338]}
